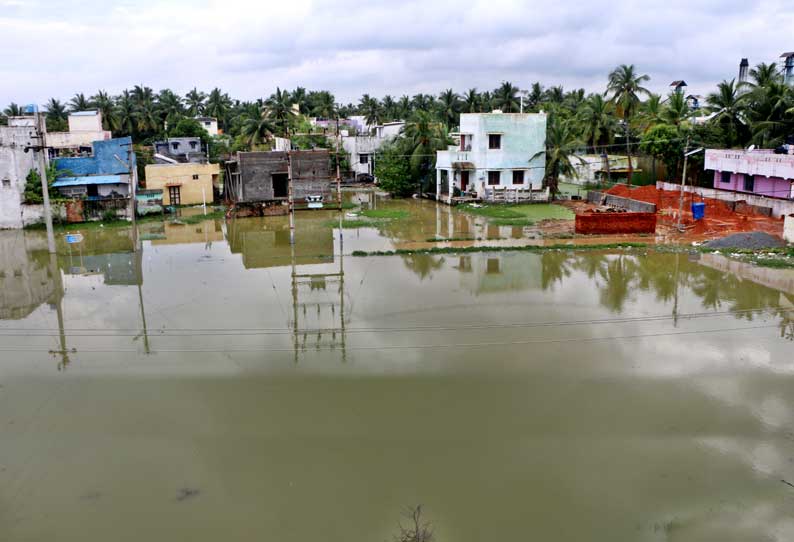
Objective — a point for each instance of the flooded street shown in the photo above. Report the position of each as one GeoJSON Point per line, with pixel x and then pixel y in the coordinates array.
{"type": "Point", "coordinates": [217, 385]}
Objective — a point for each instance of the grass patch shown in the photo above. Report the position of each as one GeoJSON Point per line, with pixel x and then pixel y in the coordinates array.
{"type": "Point", "coordinates": [195, 219]}
{"type": "Point", "coordinates": [526, 248]}
{"type": "Point", "coordinates": [391, 214]}
{"type": "Point", "coordinates": [353, 223]}
{"type": "Point", "coordinates": [527, 211]}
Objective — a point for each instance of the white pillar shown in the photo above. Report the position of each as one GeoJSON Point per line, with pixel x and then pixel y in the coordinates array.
{"type": "Point", "coordinates": [438, 185]}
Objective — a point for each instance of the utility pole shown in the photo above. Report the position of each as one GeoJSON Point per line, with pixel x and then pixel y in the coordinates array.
{"type": "Point", "coordinates": [683, 185]}
{"type": "Point", "coordinates": [291, 200]}
{"type": "Point", "coordinates": [338, 175]}
{"type": "Point", "coordinates": [41, 148]}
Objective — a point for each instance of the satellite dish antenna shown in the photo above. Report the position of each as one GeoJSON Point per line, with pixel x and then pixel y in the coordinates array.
{"type": "Point", "coordinates": [751, 148]}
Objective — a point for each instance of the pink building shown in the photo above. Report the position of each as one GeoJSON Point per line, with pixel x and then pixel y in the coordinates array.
{"type": "Point", "coordinates": [760, 172]}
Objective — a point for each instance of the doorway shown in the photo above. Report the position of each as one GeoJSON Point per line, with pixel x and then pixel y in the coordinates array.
{"type": "Point", "coordinates": [464, 180]}
{"type": "Point", "coordinates": [280, 183]}
{"type": "Point", "coordinates": [174, 195]}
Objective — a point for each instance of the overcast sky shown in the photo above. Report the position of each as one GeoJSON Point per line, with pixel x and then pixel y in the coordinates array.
{"type": "Point", "coordinates": [248, 47]}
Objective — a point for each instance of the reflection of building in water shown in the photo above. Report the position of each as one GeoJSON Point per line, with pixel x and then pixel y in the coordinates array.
{"type": "Point", "coordinates": [26, 277]}
{"type": "Point", "coordinates": [483, 273]}
{"type": "Point", "coordinates": [265, 243]}
{"type": "Point", "coordinates": [118, 268]}
{"type": "Point", "coordinates": [205, 232]}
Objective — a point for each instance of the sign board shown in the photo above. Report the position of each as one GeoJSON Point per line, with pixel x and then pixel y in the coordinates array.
{"type": "Point", "coordinates": [315, 205]}
{"type": "Point", "coordinates": [72, 238]}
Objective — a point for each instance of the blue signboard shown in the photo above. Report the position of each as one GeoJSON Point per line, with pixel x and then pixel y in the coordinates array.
{"type": "Point", "coordinates": [72, 238]}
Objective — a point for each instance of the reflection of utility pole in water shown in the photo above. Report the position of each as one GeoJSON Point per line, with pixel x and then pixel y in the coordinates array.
{"type": "Point", "coordinates": [58, 281]}
{"type": "Point", "coordinates": [139, 279]}
{"type": "Point", "coordinates": [675, 300]}
{"type": "Point", "coordinates": [300, 313]}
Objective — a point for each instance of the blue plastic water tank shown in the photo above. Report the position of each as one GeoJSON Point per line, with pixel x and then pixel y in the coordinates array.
{"type": "Point", "coordinates": [698, 210]}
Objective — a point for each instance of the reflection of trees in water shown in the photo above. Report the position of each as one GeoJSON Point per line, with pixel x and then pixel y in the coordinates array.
{"type": "Point", "coordinates": [555, 267]}
{"type": "Point", "coordinates": [423, 264]}
{"type": "Point", "coordinates": [667, 275]}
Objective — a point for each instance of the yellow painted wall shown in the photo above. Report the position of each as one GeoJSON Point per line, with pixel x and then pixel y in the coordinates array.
{"type": "Point", "coordinates": [158, 176]}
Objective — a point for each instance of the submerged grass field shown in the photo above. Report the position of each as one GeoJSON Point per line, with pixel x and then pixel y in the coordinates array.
{"type": "Point", "coordinates": [522, 214]}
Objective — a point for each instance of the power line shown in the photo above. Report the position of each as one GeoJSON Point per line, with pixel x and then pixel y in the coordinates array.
{"type": "Point", "coordinates": [416, 346]}
{"type": "Point", "coordinates": [190, 332]}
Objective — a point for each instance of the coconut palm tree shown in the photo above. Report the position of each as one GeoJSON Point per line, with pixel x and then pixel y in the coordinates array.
{"type": "Point", "coordinates": [103, 103]}
{"type": "Point", "coordinates": [449, 107]}
{"type": "Point", "coordinates": [324, 105]}
{"type": "Point", "coordinates": [729, 105]}
{"type": "Point", "coordinates": [763, 74]}
{"type": "Point", "coordinates": [650, 112]}
{"type": "Point", "coordinates": [597, 121]}
{"type": "Point", "coordinates": [169, 107]}
{"type": "Point", "coordinates": [423, 102]}
{"type": "Point", "coordinates": [194, 102]}
{"type": "Point", "coordinates": [561, 143]}
{"type": "Point", "coordinates": [56, 116]}
{"type": "Point", "coordinates": [259, 125]}
{"type": "Point", "coordinates": [370, 108]}
{"type": "Point", "coordinates": [126, 113]}
{"type": "Point", "coordinates": [677, 111]}
{"type": "Point", "coordinates": [506, 98]}
{"type": "Point", "coordinates": [768, 111]}
{"type": "Point", "coordinates": [626, 88]}
{"type": "Point", "coordinates": [471, 101]}
{"type": "Point", "coordinates": [298, 97]}
{"type": "Point", "coordinates": [389, 107]}
{"type": "Point", "coordinates": [79, 102]}
{"type": "Point", "coordinates": [424, 136]}
{"type": "Point", "coordinates": [218, 106]}
{"type": "Point", "coordinates": [404, 106]}
{"type": "Point", "coordinates": [535, 96]}
{"type": "Point", "coordinates": [279, 107]}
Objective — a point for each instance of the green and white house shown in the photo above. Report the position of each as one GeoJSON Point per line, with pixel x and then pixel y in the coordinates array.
{"type": "Point", "coordinates": [493, 158]}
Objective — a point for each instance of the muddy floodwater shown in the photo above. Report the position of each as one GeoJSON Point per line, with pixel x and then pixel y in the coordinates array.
{"type": "Point", "coordinates": [216, 384]}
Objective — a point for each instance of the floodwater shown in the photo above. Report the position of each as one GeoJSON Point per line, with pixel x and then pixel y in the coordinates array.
{"type": "Point", "coordinates": [217, 385]}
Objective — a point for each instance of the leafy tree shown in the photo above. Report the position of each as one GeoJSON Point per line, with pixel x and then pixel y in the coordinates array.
{"type": "Point", "coordinates": [677, 111]}
{"type": "Point", "coordinates": [597, 121]}
{"type": "Point", "coordinates": [279, 109]}
{"type": "Point", "coordinates": [393, 170]}
{"type": "Point", "coordinates": [664, 142]}
{"type": "Point", "coordinates": [424, 136]}
{"type": "Point", "coordinates": [370, 108]}
{"type": "Point", "coordinates": [322, 104]}
{"type": "Point", "coordinates": [471, 101]}
{"type": "Point", "coordinates": [125, 113]}
{"type": "Point", "coordinates": [258, 127]}
{"type": "Point", "coordinates": [169, 107]}
{"type": "Point", "coordinates": [105, 105]}
{"type": "Point", "coordinates": [189, 128]}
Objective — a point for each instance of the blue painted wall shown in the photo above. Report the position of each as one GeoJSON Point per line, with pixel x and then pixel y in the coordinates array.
{"type": "Point", "coordinates": [103, 162]}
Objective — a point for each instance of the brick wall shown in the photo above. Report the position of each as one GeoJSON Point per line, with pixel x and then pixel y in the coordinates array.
{"type": "Point", "coordinates": [606, 223]}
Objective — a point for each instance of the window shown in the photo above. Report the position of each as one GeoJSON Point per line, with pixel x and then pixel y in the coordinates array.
{"type": "Point", "coordinates": [749, 183]}
{"type": "Point", "coordinates": [363, 159]}
{"type": "Point", "coordinates": [6, 183]}
{"type": "Point", "coordinates": [206, 123]}
{"type": "Point", "coordinates": [494, 141]}
{"type": "Point", "coordinates": [174, 195]}
{"type": "Point", "coordinates": [195, 177]}
{"type": "Point", "coordinates": [725, 176]}
{"type": "Point", "coordinates": [494, 178]}
{"type": "Point", "coordinates": [192, 144]}
{"type": "Point", "coordinates": [175, 145]}
{"type": "Point", "coordinates": [492, 266]}
{"type": "Point", "coordinates": [518, 176]}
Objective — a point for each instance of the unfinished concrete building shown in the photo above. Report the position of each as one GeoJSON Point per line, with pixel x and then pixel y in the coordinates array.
{"type": "Point", "coordinates": [263, 177]}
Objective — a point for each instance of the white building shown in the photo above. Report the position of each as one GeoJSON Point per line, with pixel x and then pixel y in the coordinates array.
{"type": "Point", "coordinates": [362, 148]}
{"type": "Point", "coordinates": [493, 157]}
{"type": "Point", "coordinates": [85, 127]}
{"type": "Point", "coordinates": [15, 165]}
{"type": "Point", "coordinates": [594, 168]}
{"type": "Point", "coordinates": [210, 125]}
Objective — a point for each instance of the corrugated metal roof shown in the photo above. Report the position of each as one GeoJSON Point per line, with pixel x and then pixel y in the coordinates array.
{"type": "Point", "coordinates": [89, 179]}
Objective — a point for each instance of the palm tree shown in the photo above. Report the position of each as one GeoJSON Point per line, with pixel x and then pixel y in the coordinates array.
{"type": "Point", "coordinates": [471, 101]}
{"type": "Point", "coordinates": [763, 74]}
{"type": "Point", "coordinates": [769, 112]}
{"type": "Point", "coordinates": [169, 107]}
{"type": "Point", "coordinates": [677, 110]}
{"type": "Point", "coordinates": [561, 143]}
{"type": "Point", "coordinates": [298, 96]}
{"type": "Point", "coordinates": [506, 97]}
{"type": "Point", "coordinates": [597, 121]}
{"type": "Point", "coordinates": [535, 95]}
{"type": "Point", "coordinates": [449, 107]}
{"type": "Point", "coordinates": [554, 95]}
{"type": "Point", "coordinates": [79, 102]}
{"type": "Point", "coordinates": [729, 106]}
{"type": "Point", "coordinates": [104, 104]}
{"type": "Point", "coordinates": [126, 113]}
{"type": "Point", "coordinates": [56, 116]}
{"type": "Point", "coordinates": [626, 87]}
{"type": "Point", "coordinates": [370, 108]}
{"type": "Point", "coordinates": [147, 116]}
{"type": "Point", "coordinates": [425, 136]}
{"type": "Point", "coordinates": [404, 106]}
{"type": "Point", "coordinates": [423, 102]}
{"type": "Point", "coordinates": [13, 110]}
{"type": "Point", "coordinates": [194, 101]}
{"type": "Point", "coordinates": [258, 126]}
{"type": "Point", "coordinates": [218, 105]}
{"type": "Point", "coordinates": [324, 105]}
{"type": "Point", "coordinates": [279, 107]}
{"type": "Point", "coordinates": [650, 113]}
{"type": "Point", "coordinates": [389, 107]}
